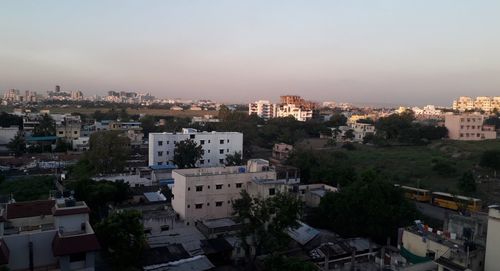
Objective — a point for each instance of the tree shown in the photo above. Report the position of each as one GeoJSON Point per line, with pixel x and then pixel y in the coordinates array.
{"type": "Point", "coordinates": [17, 144]}
{"type": "Point", "coordinates": [186, 153]}
{"type": "Point", "coordinates": [370, 200]}
{"type": "Point", "coordinates": [467, 183]}
{"type": "Point", "coordinates": [264, 222]}
{"type": "Point", "coordinates": [7, 120]}
{"type": "Point", "coordinates": [349, 134]}
{"type": "Point", "coordinates": [393, 125]}
{"type": "Point", "coordinates": [122, 235]}
{"type": "Point", "coordinates": [148, 124]}
{"type": "Point", "coordinates": [491, 159]}
{"type": "Point", "coordinates": [108, 151]}
{"type": "Point", "coordinates": [62, 146]}
{"type": "Point", "coordinates": [46, 127]}
{"type": "Point", "coordinates": [279, 263]}
{"type": "Point", "coordinates": [234, 159]}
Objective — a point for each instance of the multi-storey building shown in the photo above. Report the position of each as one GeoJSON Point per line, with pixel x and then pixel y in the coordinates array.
{"type": "Point", "coordinates": [360, 130]}
{"type": "Point", "coordinates": [76, 95]}
{"type": "Point", "coordinates": [47, 235]}
{"type": "Point", "coordinates": [487, 104]}
{"type": "Point", "coordinates": [207, 193]}
{"type": "Point", "coordinates": [69, 127]}
{"type": "Point", "coordinates": [298, 112]}
{"type": "Point", "coordinates": [468, 127]}
{"type": "Point", "coordinates": [216, 145]}
{"type": "Point", "coordinates": [263, 109]}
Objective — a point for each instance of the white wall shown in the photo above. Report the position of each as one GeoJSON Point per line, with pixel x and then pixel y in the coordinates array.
{"type": "Point", "coordinates": [211, 142]}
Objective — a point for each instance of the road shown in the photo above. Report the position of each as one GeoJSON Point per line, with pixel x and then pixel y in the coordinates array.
{"type": "Point", "coordinates": [433, 211]}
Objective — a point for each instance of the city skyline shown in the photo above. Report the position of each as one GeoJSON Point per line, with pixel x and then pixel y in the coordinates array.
{"type": "Point", "coordinates": [393, 52]}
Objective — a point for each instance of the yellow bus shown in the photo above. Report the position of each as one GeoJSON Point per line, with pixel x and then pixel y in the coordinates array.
{"type": "Point", "coordinates": [456, 202]}
{"type": "Point", "coordinates": [418, 194]}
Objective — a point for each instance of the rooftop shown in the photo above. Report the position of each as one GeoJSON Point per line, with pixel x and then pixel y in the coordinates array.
{"type": "Point", "coordinates": [29, 209]}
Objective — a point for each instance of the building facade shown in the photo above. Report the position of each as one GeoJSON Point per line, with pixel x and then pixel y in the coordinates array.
{"type": "Point", "coordinates": [492, 259]}
{"type": "Point", "coordinates": [216, 145]}
{"type": "Point", "coordinates": [48, 235]}
{"type": "Point", "coordinates": [298, 112]}
{"type": "Point", "coordinates": [468, 126]}
{"type": "Point", "coordinates": [487, 104]}
{"type": "Point", "coordinates": [207, 193]}
{"type": "Point", "coordinates": [263, 109]}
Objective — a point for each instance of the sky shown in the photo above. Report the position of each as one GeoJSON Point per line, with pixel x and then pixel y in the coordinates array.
{"type": "Point", "coordinates": [385, 51]}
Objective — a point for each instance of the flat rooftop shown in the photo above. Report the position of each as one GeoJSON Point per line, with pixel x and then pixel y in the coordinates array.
{"type": "Point", "coordinates": [191, 172]}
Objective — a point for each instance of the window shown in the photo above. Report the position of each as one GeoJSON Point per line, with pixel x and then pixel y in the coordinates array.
{"type": "Point", "coordinates": [60, 132]}
{"type": "Point", "coordinates": [160, 143]}
{"type": "Point", "coordinates": [168, 142]}
{"type": "Point", "coordinates": [221, 161]}
{"type": "Point", "coordinates": [228, 141]}
{"type": "Point", "coordinates": [199, 188]}
{"type": "Point", "coordinates": [189, 188]}
{"type": "Point", "coordinates": [208, 203]}
{"type": "Point", "coordinates": [238, 185]}
{"type": "Point", "coordinates": [160, 153]}
{"type": "Point", "coordinates": [168, 152]}
{"type": "Point", "coordinates": [202, 142]}
{"type": "Point", "coordinates": [221, 151]}
{"type": "Point", "coordinates": [208, 151]}
{"type": "Point", "coordinates": [75, 132]}
{"type": "Point", "coordinates": [209, 141]}
{"type": "Point", "coordinates": [159, 163]}
{"type": "Point", "coordinates": [218, 203]}
{"type": "Point", "coordinates": [208, 161]}
{"type": "Point", "coordinates": [202, 162]}
{"type": "Point", "coordinates": [227, 150]}
{"type": "Point", "coordinates": [198, 206]}
{"type": "Point", "coordinates": [222, 141]}
{"type": "Point", "coordinates": [191, 136]}
{"type": "Point", "coordinates": [272, 191]}
{"type": "Point", "coordinates": [228, 185]}
{"type": "Point", "coordinates": [218, 186]}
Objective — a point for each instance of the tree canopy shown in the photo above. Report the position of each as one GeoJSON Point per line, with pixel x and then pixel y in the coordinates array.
{"type": "Point", "coordinates": [234, 159]}
{"type": "Point", "coordinates": [370, 200]}
{"type": "Point", "coordinates": [264, 222]}
{"type": "Point", "coordinates": [108, 151]}
{"type": "Point", "coordinates": [46, 127]}
{"type": "Point", "coordinates": [186, 153]}
{"type": "Point", "coordinates": [17, 144]}
{"type": "Point", "coordinates": [122, 236]}
{"type": "Point", "coordinates": [467, 183]}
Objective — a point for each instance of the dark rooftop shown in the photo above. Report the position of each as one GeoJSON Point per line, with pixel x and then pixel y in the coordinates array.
{"type": "Point", "coordinates": [29, 208]}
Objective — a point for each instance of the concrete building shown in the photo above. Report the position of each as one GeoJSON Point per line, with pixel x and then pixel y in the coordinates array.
{"type": "Point", "coordinates": [360, 130]}
{"type": "Point", "coordinates": [48, 235]}
{"type": "Point", "coordinates": [298, 112]}
{"type": "Point", "coordinates": [468, 126]}
{"type": "Point", "coordinates": [281, 151]}
{"type": "Point", "coordinates": [81, 144]}
{"type": "Point", "coordinates": [207, 193]}
{"type": "Point", "coordinates": [492, 259]}
{"type": "Point", "coordinates": [445, 249]}
{"type": "Point", "coordinates": [69, 128]}
{"type": "Point", "coordinates": [216, 145]}
{"type": "Point", "coordinates": [76, 95]}
{"type": "Point", "coordinates": [487, 104]}
{"type": "Point", "coordinates": [262, 108]}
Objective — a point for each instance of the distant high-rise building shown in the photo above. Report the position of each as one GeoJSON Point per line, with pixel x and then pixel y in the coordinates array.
{"type": "Point", "coordinates": [76, 95]}
{"type": "Point", "coordinates": [58, 88]}
{"type": "Point", "coordinates": [263, 109]}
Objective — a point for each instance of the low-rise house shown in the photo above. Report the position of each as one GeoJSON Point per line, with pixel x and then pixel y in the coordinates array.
{"type": "Point", "coordinates": [47, 234]}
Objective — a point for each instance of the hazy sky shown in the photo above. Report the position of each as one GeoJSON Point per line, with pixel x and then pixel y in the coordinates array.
{"type": "Point", "coordinates": [412, 52]}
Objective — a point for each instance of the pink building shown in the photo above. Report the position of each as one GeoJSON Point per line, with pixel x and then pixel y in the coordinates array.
{"type": "Point", "coordinates": [468, 126]}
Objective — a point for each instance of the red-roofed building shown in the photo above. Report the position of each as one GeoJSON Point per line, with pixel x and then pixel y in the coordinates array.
{"type": "Point", "coordinates": [47, 234]}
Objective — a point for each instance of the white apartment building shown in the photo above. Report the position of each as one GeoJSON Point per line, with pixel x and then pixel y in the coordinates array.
{"type": "Point", "coordinates": [216, 145]}
{"type": "Point", "coordinates": [360, 130]}
{"type": "Point", "coordinates": [207, 193]}
{"type": "Point", "coordinates": [262, 108]}
{"type": "Point", "coordinates": [296, 111]}
{"type": "Point", "coordinates": [487, 104]}
{"type": "Point", "coordinates": [468, 127]}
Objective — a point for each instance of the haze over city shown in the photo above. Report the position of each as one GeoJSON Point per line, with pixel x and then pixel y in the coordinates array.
{"type": "Point", "coordinates": [395, 52]}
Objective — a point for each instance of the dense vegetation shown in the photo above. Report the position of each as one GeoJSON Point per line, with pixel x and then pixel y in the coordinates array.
{"type": "Point", "coordinates": [28, 188]}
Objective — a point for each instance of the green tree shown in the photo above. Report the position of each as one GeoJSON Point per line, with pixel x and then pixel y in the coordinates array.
{"type": "Point", "coordinates": [264, 222]}
{"type": "Point", "coordinates": [148, 124]}
{"type": "Point", "coordinates": [467, 183]}
{"type": "Point", "coordinates": [349, 134]}
{"type": "Point", "coordinates": [46, 127]}
{"type": "Point", "coordinates": [7, 120]}
{"type": "Point", "coordinates": [62, 146]}
{"type": "Point", "coordinates": [186, 153]}
{"type": "Point", "coordinates": [393, 127]}
{"type": "Point", "coordinates": [17, 144]}
{"type": "Point", "coordinates": [108, 151]}
{"type": "Point", "coordinates": [122, 236]}
{"type": "Point", "coordinates": [372, 201]}
{"type": "Point", "coordinates": [235, 159]}
{"type": "Point", "coordinates": [491, 159]}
